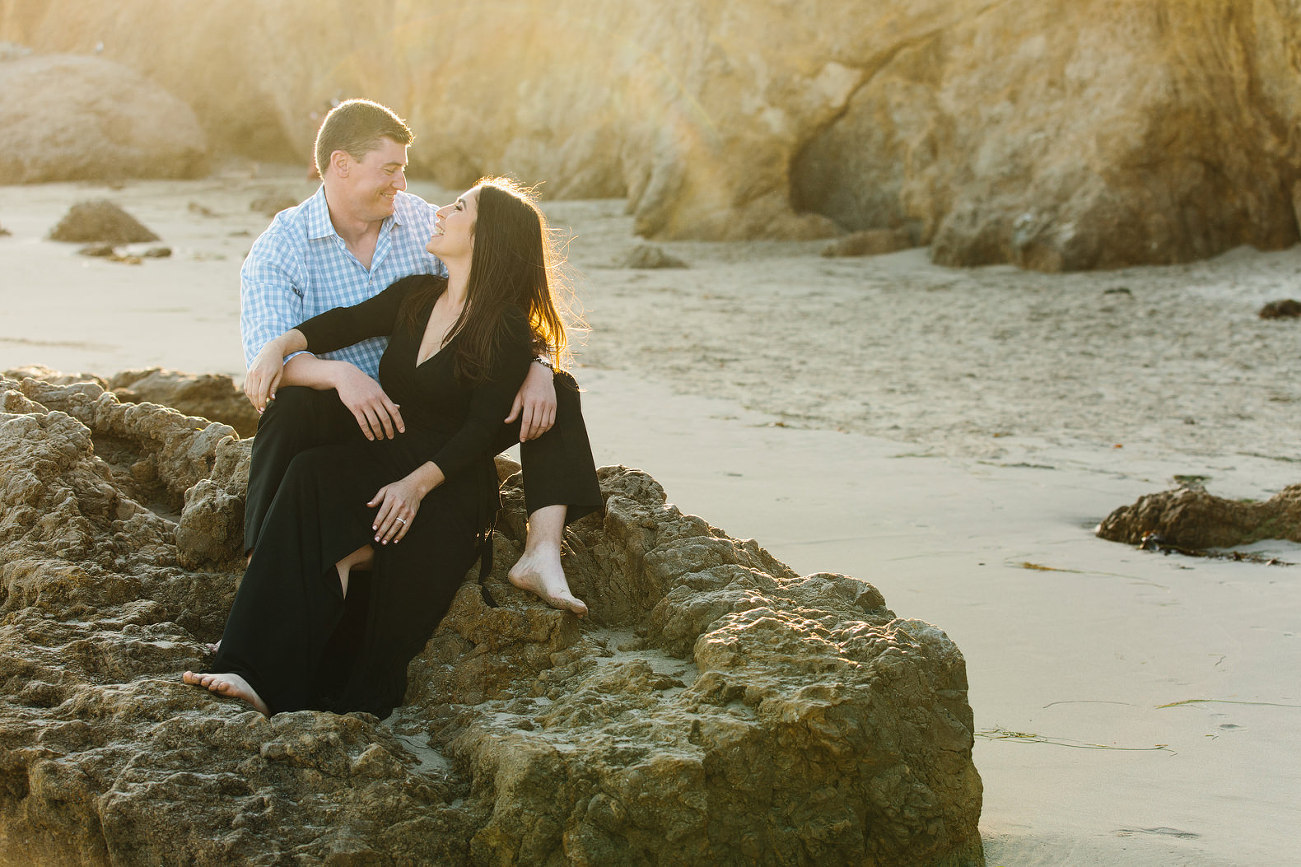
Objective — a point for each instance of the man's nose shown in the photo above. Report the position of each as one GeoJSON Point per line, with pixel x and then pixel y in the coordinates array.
{"type": "Point", "coordinates": [400, 181]}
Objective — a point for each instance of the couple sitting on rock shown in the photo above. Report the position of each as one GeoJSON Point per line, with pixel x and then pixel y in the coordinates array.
{"type": "Point", "coordinates": [393, 349]}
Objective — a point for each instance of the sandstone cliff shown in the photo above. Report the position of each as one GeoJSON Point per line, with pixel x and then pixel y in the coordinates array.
{"type": "Point", "coordinates": [715, 708]}
{"type": "Point", "coordinates": [1056, 135]}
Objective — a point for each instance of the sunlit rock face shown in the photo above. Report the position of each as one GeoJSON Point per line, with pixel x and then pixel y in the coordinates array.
{"type": "Point", "coordinates": [1053, 135]}
{"type": "Point", "coordinates": [714, 708]}
{"type": "Point", "coordinates": [65, 117]}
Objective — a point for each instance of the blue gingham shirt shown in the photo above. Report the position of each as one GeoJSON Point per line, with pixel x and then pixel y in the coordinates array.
{"type": "Point", "coordinates": [300, 267]}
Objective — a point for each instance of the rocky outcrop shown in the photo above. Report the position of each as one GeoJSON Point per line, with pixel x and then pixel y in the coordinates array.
{"type": "Point", "coordinates": [713, 708]}
{"type": "Point", "coordinates": [1054, 135]}
{"type": "Point", "coordinates": [66, 117]}
{"type": "Point", "coordinates": [207, 395]}
{"type": "Point", "coordinates": [1191, 518]}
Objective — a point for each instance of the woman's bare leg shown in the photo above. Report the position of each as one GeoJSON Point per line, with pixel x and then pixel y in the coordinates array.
{"type": "Point", "coordinates": [230, 685]}
{"type": "Point", "coordinates": [539, 570]}
{"type": "Point", "coordinates": [363, 557]}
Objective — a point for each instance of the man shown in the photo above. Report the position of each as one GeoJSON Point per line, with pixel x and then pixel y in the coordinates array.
{"type": "Point", "coordinates": [358, 234]}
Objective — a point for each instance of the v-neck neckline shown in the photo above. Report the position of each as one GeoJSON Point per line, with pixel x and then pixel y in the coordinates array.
{"type": "Point", "coordinates": [420, 341]}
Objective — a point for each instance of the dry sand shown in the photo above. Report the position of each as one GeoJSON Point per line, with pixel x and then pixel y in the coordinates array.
{"type": "Point", "coordinates": [950, 436]}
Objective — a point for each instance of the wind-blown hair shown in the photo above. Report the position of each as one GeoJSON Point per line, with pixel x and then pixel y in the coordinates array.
{"type": "Point", "coordinates": [356, 126]}
{"type": "Point", "coordinates": [514, 265]}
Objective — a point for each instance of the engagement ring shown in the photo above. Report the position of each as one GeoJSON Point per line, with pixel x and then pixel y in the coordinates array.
{"type": "Point", "coordinates": [400, 521]}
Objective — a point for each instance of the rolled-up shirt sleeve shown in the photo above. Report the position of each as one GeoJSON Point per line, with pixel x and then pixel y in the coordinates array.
{"type": "Point", "coordinates": [270, 296]}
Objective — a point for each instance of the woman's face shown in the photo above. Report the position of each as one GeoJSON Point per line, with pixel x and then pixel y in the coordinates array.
{"type": "Point", "coordinates": [453, 236]}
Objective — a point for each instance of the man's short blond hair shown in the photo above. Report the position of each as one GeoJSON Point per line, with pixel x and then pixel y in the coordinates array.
{"type": "Point", "coordinates": [356, 126]}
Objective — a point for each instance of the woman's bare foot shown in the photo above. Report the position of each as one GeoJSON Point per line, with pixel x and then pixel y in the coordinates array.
{"type": "Point", "coordinates": [539, 572]}
{"type": "Point", "coordinates": [230, 686]}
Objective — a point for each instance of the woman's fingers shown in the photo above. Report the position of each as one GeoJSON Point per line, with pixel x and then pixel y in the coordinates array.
{"type": "Point", "coordinates": [393, 518]}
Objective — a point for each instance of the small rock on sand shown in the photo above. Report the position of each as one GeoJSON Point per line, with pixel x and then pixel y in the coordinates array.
{"type": "Point", "coordinates": [645, 256]}
{"type": "Point", "coordinates": [1288, 308]}
{"type": "Point", "coordinates": [100, 221]}
{"type": "Point", "coordinates": [273, 203]}
{"type": "Point", "coordinates": [871, 242]}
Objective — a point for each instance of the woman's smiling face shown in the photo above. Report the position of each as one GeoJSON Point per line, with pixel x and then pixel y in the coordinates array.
{"type": "Point", "coordinates": [454, 227]}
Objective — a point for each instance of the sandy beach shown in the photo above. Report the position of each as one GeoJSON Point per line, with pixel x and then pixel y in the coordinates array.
{"type": "Point", "coordinates": [951, 436]}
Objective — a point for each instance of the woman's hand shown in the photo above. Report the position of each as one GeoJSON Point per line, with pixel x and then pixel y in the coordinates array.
{"type": "Point", "coordinates": [264, 374]}
{"type": "Point", "coordinates": [535, 403]}
{"type": "Point", "coordinates": [398, 503]}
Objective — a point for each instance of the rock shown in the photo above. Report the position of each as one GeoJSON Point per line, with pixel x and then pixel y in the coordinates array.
{"type": "Point", "coordinates": [645, 256]}
{"type": "Point", "coordinates": [986, 130]}
{"type": "Point", "coordinates": [712, 698]}
{"type": "Point", "coordinates": [1191, 518]}
{"type": "Point", "coordinates": [1057, 136]}
{"type": "Point", "coordinates": [157, 253]}
{"type": "Point", "coordinates": [98, 251]}
{"type": "Point", "coordinates": [273, 203]}
{"type": "Point", "coordinates": [1285, 309]}
{"type": "Point", "coordinates": [4, 233]}
{"type": "Point", "coordinates": [66, 117]}
{"type": "Point", "coordinates": [52, 377]}
{"type": "Point", "coordinates": [207, 395]}
{"type": "Point", "coordinates": [100, 221]}
{"type": "Point", "coordinates": [870, 242]}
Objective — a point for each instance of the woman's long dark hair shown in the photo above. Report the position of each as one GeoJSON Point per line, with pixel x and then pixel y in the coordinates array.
{"type": "Point", "coordinates": [513, 265]}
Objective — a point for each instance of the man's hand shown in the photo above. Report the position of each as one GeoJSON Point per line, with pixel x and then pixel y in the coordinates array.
{"type": "Point", "coordinates": [264, 375]}
{"type": "Point", "coordinates": [537, 401]}
{"type": "Point", "coordinates": [375, 413]}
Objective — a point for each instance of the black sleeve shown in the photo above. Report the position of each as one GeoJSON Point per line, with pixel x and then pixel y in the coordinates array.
{"type": "Point", "coordinates": [375, 317]}
{"type": "Point", "coordinates": [490, 399]}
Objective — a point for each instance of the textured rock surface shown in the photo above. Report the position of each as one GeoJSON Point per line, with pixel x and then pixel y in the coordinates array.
{"type": "Point", "coordinates": [715, 708]}
{"type": "Point", "coordinates": [1191, 518]}
{"type": "Point", "coordinates": [1055, 135]}
{"type": "Point", "coordinates": [65, 118]}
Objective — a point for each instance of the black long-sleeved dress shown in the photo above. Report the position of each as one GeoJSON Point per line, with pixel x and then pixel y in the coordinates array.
{"type": "Point", "coordinates": [290, 599]}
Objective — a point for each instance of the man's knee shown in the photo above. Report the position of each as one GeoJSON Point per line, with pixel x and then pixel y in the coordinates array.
{"type": "Point", "coordinates": [305, 416]}
{"type": "Point", "coordinates": [292, 402]}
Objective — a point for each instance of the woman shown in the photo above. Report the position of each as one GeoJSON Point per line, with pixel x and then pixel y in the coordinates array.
{"type": "Point", "coordinates": [414, 510]}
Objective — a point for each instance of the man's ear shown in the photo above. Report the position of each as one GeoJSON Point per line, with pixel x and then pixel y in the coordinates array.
{"type": "Point", "coordinates": [341, 162]}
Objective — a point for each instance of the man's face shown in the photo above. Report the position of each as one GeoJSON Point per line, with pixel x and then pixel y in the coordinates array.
{"type": "Point", "coordinates": [373, 181]}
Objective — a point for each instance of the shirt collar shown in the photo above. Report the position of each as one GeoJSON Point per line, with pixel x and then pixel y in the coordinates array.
{"type": "Point", "coordinates": [317, 213]}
